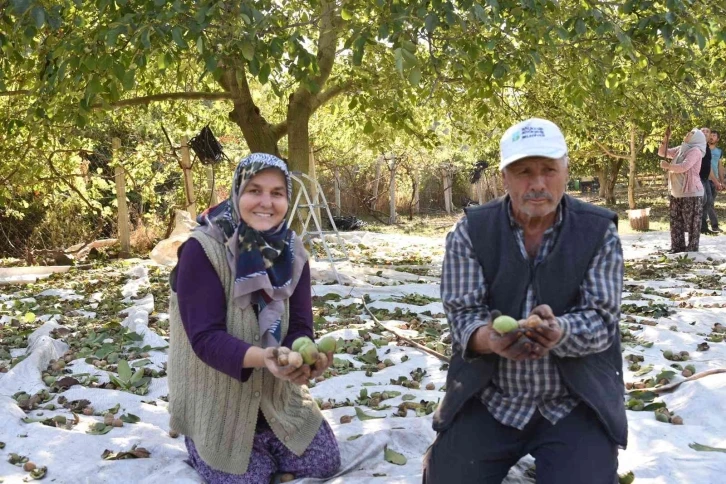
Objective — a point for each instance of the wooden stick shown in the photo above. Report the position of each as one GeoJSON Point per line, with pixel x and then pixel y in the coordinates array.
{"type": "Point", "coordinates": [672, 386]}
{"type": "Point", "coordinates": [403, 338]}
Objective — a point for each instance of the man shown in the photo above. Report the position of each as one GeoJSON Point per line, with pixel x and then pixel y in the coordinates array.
{"type": "Point", "coordinates": [717, 173]}
{"type": "Point", "coordinates": [709, 189]}
{"type": "Point", "coordinates": [555, 392]}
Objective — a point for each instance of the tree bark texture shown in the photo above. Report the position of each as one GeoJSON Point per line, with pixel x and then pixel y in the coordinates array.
{"type": "Point", "coordinates": [124, 230]}
{"type": "Point", "coordinates": [392, 195]}
{"type": "Point", "coordinates": [632, 171]}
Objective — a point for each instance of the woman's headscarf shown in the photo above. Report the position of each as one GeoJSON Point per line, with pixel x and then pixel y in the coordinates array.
{"type": "Point", "coordinates": [266, 265]}
{"type": "Point", "coordinates": [697, 140]}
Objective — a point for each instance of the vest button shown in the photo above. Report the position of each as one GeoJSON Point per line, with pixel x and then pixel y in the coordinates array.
{"type": "Point", "coordinates": [273, 420]}
{"type": "Point", "coordinates": [287, 438]}
{"type": "Point", "coordinates": [257, 394]}
{"type": "Point", "coordinates": [257, 337]}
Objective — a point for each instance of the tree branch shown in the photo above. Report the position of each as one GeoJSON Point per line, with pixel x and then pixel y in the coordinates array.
{"type": "Point", "coordinates": [20, 92]}
{"type": "Point", "coordinates": [70, 185]}
{"type": "Point", "coordinates": [280, 129]}
{"type": "Point", "coordinates": [172, 96]}
{"type": "Point", "coordinates": [610, 153]}
{"type": "Point", "coordinates": [327, 40]}
{"type": "Point", "coordinates": [325, 96]}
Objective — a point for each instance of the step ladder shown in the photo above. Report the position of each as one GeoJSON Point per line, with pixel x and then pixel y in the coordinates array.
{"type": "Point", "coordinates": [311, 206]}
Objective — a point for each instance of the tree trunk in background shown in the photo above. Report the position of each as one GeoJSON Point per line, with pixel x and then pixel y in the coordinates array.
{"type": "Point", "coordinates": [447, 191]}
{"type": "Point", "coordinates": [481, 185]}
{"type": "Point", "coordinates": [188, 178]}
{"type": "Point", "coordinates": [392, 195]}
{"type": "Point", "coordinates": [211, 183]}
{"type": "Point", "coordinates": [631, 175]}
{"type": "Point", "coordinates": [336, 173]}
{"type": "Point", "coordinates": [124, 231]}
{"type": "Point", "coordinates": [416, 206]}
{"type": "Point", "coordinates": [494, 184]}
{"type": "Point", "coordinates": [615, 166]}
{"type": "Point", "coordinates": [314, 194]}
{"type": "Point", "coordinates": [602, 175]}
{"type": "Point", "coordinates": [376, 182]}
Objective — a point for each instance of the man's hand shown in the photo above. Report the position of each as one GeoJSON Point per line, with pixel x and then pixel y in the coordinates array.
{"type": "Point", "coordinates": [513, 345]}
{"type": "Point", "coordinates": [549, 333]}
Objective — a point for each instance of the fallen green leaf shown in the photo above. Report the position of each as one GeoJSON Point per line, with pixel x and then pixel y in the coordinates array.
{"type": "Point", "coordinates": [130, 418]}
{"type": "Point", "coordinates": [353, 437]}
{"type": "Point", "coordinates": [705, 448]}
{"type": "Point", "coordinates": [363, 416]}
{"type": "Point", "coordinates": [394, 457]}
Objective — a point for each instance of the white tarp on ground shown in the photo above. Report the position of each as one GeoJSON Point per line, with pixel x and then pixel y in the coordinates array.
{"type": "Point", "coordinates": [658, 453]}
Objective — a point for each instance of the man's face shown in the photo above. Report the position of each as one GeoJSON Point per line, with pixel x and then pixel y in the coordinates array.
{"type": "Point", "coordinates": [535, 185]}
{"type": "Point", "coordinates": [707, 132]}
{"type": "Point", "coordinates": [713, 139]}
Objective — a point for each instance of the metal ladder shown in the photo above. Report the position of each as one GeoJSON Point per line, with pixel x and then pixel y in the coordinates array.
{"type": "Point", "coordinates": [311, 205]}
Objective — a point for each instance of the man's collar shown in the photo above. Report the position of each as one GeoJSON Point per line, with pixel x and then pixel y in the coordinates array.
{"type": "Point", "coordinates": [514, 224]}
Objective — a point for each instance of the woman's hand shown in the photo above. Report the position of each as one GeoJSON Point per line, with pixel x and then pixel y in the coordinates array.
{"type": "Point", "coordinates": [665, 165]}
{"type": "Point", "coordinates": [299, 376]}
{"type": "Point", "coordinates": [323, 363]}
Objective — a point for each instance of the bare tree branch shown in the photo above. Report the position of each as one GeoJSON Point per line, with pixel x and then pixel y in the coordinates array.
{"type": "Point", "coordinates": [52, 167]}
{"type": "Point", "coordinates": [20, 92]}
{"type": "Point", "coordinates": [610, 153]}
{"type": "Point", "coordinates": [171, 96]}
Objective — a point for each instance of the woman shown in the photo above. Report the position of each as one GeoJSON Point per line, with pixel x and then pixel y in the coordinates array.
{"type": "Point", "coordinates": [686, 189]}
{"type": "Point", "coordinates": [241, 288]}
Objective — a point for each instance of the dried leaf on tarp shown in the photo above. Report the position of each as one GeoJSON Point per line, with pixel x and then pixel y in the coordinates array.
{"type": "Point", "coordinates": [66, 382]}
{"type": "Point", "coordinates": [99, 428]}
{"type": "Point", "coordinates": [77, 406]}
{"type": "Point", "coordinates": [394, 457]}
{"type": "Point", "coordinates": [134, 453]}
{"type": "Point", "coordinates": [353, 437]}
{"type": "Point", "coordinates": [363, 416]}
{"type": "Point", "coordinates": [114, 410]}
{"type": "Point", "coordinates": [38, 473]}
{"type": "Point", "coordinates": [408, 396]}
{"type": "Point", "coordinates": [705, 448]}
{"type": "Point", "coordinates": [644, 370]}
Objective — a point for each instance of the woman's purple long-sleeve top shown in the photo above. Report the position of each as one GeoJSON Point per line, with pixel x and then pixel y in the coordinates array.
{"type": "Point", "coordinates": [203, 309]}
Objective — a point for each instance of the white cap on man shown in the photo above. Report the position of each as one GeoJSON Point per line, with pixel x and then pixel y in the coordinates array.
{"type": "Point", "coordinates": [533, 137]}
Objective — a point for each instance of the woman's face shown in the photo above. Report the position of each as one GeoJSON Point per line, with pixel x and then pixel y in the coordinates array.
{"type": "Point", "coordinates": [687, 139]}
{"type": "Point", "coordinates": [263, 203]}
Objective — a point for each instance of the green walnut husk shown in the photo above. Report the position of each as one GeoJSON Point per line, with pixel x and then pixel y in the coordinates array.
{"type": "Point", "coordinates": [327, 345]}
{"type": "Point", "coordinates": [505, 324]}
{"type": "Point", "coordinates": [298, 344]}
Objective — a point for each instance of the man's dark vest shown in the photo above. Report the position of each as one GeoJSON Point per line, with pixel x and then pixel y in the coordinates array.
{"type": "Point", "coordinates": [597, 379]}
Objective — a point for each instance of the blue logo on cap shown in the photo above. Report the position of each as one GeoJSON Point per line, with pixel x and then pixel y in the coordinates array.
{"type": "Point", "coordinates": [515, 136]}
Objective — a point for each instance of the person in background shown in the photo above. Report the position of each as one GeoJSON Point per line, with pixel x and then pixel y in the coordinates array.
{"type": "Point", "coordinates": [241, 289]}
{"type": "Point", "coordinates": [686, 188]}
{"type": "Point", "coordinates": [717, 171]}
{"type": "Point", "coordinates": [710, 183]}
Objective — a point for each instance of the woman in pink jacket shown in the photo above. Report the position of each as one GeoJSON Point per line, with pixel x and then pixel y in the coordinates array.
{"type": "Point", "coordinates": [686, 190]}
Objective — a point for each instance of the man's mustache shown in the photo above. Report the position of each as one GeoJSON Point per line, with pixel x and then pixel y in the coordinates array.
{"type": "Point", "coordinates": [537, 195]}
